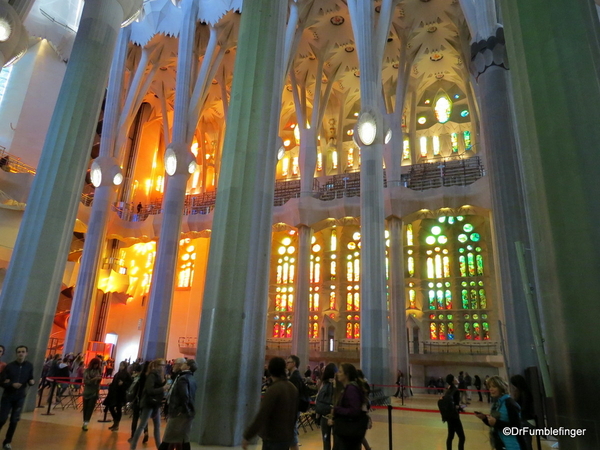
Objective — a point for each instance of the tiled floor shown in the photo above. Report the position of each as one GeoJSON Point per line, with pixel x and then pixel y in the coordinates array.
{"type": "Point", "coordinates": [411, 430]}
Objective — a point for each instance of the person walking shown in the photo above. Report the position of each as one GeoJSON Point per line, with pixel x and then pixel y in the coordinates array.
{"type": "Point", "coordinates": [151, 402]}
{"type": "Point", "coordinates": [92, 376]}
{"type": "Point", "coordinates": [477, 384]}
{"type": "Point", "coordinates": [276, 417]}
{"type": "Point", "coordinates": [324, 401]}
{"type": "Point", "coordinates": [117, 395]}
{"type": "Point", "coordinates": [181, 407]}
{"type": "Point", "coordinates": [505, 413]}
{"type": "Point", "coordinates": [350, 418]}
{"type": "Point", "coordinates": [15, 378]}
{"type": "Point", "coordinates": [453, 395]}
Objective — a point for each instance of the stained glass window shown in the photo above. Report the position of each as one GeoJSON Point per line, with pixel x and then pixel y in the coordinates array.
{"type": "Point", "coordinates": [334, 159]}
{"type": "Point", "coordinates": [454, 142]}
{"type": "Point", "coordinates": [285, 166]}
{"type": "Point", "coordinates": [443, 108]}
{"type": "Point", "coordinates": [467, 138]}
{"type": "Point", "coordinates": [319, 162]}
{"type": "Point", "coordinates": [436, 145]}
{"type": "Point", "coordinates": [409, 234]}
{"type": "Point", "coordinates": [406, 150]}
{"type": "Point", "coordinates": [187, 258]}
{"type": "Point", "coordinates": [350, 157]}
{"type": "Point", "coordinates": [332, 303]}
{"type": "Point", "coordinates": [423, 144]}
{"type": "Point", "coordinates": [412, 299]}
{"type": "Point", "coordinates": [295, 166]}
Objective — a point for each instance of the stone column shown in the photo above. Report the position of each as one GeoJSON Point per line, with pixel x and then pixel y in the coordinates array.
{"type": "Point", "coordinates": [234, 309]}
{"type": "Point", "coordinates": [554, 54]}
{"type": "Point", "coordinates": [489, 65]}
{"type": "Point", "coordinates": [374, 324]}
{"type": "Point", "coordinates": [397, 300]}
{"type": "Point", "coordinates": [300, 325]}
{"type": "Point", "coordinates": [32, 284]}
{"type": "Point", "coordinates": [104, 195]}
{"type": "Point", "coordinates": [156, 330]}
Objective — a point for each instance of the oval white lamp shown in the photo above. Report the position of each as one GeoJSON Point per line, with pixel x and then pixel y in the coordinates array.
{"type": "Point", "coordinates": [366, 128]}
{"type": "Point", "coordinates": [170, 161]}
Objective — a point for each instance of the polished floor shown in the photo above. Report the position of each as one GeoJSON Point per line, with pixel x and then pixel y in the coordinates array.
{"type": "Point", "coordinates": [413, 430]}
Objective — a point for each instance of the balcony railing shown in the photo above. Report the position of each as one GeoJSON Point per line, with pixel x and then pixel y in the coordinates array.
{"type": "Point", "coordinates": [10, 163]}
{"type": "Point", "coordinates": [455, 347]}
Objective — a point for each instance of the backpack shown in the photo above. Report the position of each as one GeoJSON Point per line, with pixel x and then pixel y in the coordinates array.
{"type": "Point", "coordinates": [324, 400]}
{"type": "Point", "coordinates": [132, 390]}
{"type": "Point", "coordinates": [447, 408]}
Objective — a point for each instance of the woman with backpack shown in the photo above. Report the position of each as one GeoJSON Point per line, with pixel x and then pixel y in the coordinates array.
{"type": "Point", "coordinates": [450, 408]}
{"type": "Point", "coordinates": [151, 401]}
{"type": "Point", "coordinates": [505, 413]}
{"type": "Point", "coordinates": [324, 401]}
{"type": "Point", "coordinates": [117, 395]}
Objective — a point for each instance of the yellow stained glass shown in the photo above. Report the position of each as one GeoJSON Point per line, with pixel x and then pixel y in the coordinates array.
{"type": "Point", "coordinates": [430, 268]}
{"type": "Point", "coordinates": [333, 241]}
{"type": "Point", "coordinates": [409, 234]}
{"type": "Point", "coordinates": [332, 300]}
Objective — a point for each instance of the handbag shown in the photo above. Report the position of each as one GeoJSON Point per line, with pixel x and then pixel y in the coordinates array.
{"type": "Point", "coordinates": [351, 426]}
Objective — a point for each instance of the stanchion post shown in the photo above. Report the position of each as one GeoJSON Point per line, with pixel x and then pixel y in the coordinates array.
{"type": "Point", "coordinates": [402, 394]}
{"type": "Point", "coordinates": [390, 425]}
{"type": "Point", "coordinates": [105, 414]}
{"type": "Point", "coordinates": [48, 413]}
{"type": "Point", "coordinates": [41, 393]}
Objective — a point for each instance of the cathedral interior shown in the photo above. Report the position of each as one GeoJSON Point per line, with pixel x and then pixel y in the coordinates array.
{"type": "Point", "coordinates": [386, 183]}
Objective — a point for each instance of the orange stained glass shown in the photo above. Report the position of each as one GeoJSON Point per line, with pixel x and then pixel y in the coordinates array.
{"type": "Point", "coordinates": [351, 157]}
{"type": "Point", "coordinates": [357, 269]}
{"type": "Point", "coordinates": [333, 241]}
{"type": "Point", "coordinates": [412, 299]}
{"type": "Point", "coordinates": [332, 300]}
{"type": "Point", "coordinates": [319, 162]}
{"type": "Point", "coordinates": [290, 303]}
{"type": "Point", "coordinates": [312, 272]}
{"type": "Point", "coordinates": [348, 330]}
{"type": "Point", "coordinates": [288, 331]}
{"type": "Point", "coordinates": [279, 274]}
{"type": "Point", "coordinates": [295, 166]}
{"type": "Point", "coordinates": [292, 273]}
{"type": "Point", "coordinates": [285, 165]}
{"type": "Point", "coordinates": [356, 301]}
{"type": "Point", "coordinates": [433, 331]}
{"type": "Point", "coordinates": [442, 332]}
{"type": "Point", "coordinates": [316, 301]}
{"type": "Point", "coordinates": [286, 269]}
{"type": "Point", "coordinates": [276, 330]}
{"type": "Point", "coordinates": [317, 273]}
{"type": "Point", "coordinates": [333, 269]}
{"type": "Point", "coordinates": [349, 302]}
{"type": "Point", "coordinates": [357, 330]}
{"type": "Point", "coordinates": [278, 302]}
{"type": "Point", "coordinates": [349, 270]}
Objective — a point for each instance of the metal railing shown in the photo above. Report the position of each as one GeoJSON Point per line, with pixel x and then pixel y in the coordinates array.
{"type": "Point", "coordinates": [10, 163]}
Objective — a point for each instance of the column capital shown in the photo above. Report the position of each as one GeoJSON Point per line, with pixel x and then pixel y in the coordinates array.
{"type": "Point", "coordinates": [489, 52]}
{"type": "Point", "coordinates": [13, 36]}
{"type": "Point", "coordinates": [131, 10]}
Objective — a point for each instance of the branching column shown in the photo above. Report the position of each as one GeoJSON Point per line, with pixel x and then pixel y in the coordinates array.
{"type": "Point", "coordinates": [300, 325]}
{"type": "Point", "coordinates": [234, 309]}
{"type": "Point", "coordinates": [32, 284]}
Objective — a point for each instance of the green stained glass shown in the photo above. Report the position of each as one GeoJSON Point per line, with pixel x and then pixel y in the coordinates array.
{"type": "Point", "coordinates": [430, 240]}
{"type": "Point", "coordinates": [475, 237]}
{"type": "Point", "coordinates": [467, 227]}
{"type": "Point", "coordinates": [467, 138]}
{"type": "Point", "coordinates": [441, 317]}
{"type": "Point", "coordinates": [475, 316]}
{"type": "Point", "coordinates": [447, 284]}
{"type": "Point", "coordinates": [436, 230]}
{"type": "Point", "coordinates": [479, 260]}
{"type": "Point", "coordinates": [461, 250]}
{"type": "Point", "coordinates": [462, 238]}
{"type": "Point", "coordinates": [442, 219]}
{"type": "Point", "coordinates": [450, 334]}
{"type": "Point", "coordinates": [484, 316]}
{"type": "Point", "coordinates": [448, 296]}
{"type": "Point", "coordinates": [477, 249]}
{"type": "Point", "coordinates": [482, 299]}
{"type": "Point", "coordinates": [469, 247]}
{"type": "Point", "coordinates": [460, 218]}
{"type": "Point", "coordinates": [468, 331]}
{"type": "Point", "coordinates": [467, 317]}
{"type": "Point", "coordinates": [486, 331]}
{"type": "Point", "coordinates": [464, 283]}
{"type": "Point", "coordinates": [454, 142]}
{"type": "Point", "coordinates": [431, 299]}
{"type": "Point", "coordinates": [440, 299]}
{"type": "Point", "coordinates": [465, 298]}
{"type": "Point", "coordinates": [472, 283]}
{"type": "Point", "coordinates": [474, 299]}
{"type": "Point", "coordinates": [442, 239]}
{"type": "Point", "coordinates": [471, 263]}
{"type": "Point", "coordinates": [462, 263]}
{"type": "Point", "coordinates": [476, 331]}
{"type": "Point", "coordinates": [449, 317]}
{"type": "Point", "coordinates": [411, 266]}
{"type": "Point", "coordinates": [450, 220]}
{"type": "Point", "coordinates": [430, 285]}
{"type": "Point", "coordinates": [439, 285]}
{"type": "Point", "coordinates": [481, 283]}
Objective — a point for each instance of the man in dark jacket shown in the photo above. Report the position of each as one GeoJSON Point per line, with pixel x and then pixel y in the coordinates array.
{"type": "Point", "coordinates": [15, 379]}
{"type": "Point", "coordinates": [276, 418]}
{"type": "Point", "coordinates": [181, 406]}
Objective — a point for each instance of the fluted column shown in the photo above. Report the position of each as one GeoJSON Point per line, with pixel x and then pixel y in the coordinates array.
{"type": "Point", "coordinates": [554, 54]}
{"type": "Point", "coordinates": [300, 324]}
{"type": "Point", "coordinates": [104, 195]}
{"type": "Point", "coordinates": [33, 281]}
{"type": "Point", "coordinates": [156, 330]}
{"type": "Point", "coordinates": [374, 323]}
{"type": "Point", "coordinates": [489, 65]}
{"type": "Point", "coordinates": [234, 308]}
{"type": "Point", "coordinates": [399, 346]}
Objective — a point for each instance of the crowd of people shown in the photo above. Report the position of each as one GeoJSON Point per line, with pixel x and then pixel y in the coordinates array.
{"type": "Point", "coordinates": [340, 395]}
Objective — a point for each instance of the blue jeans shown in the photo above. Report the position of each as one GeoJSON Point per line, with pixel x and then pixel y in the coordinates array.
{"type": "Point", "coordinates": [10, 405]}
{"type": "Point", "coordinates": [145, 415]}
